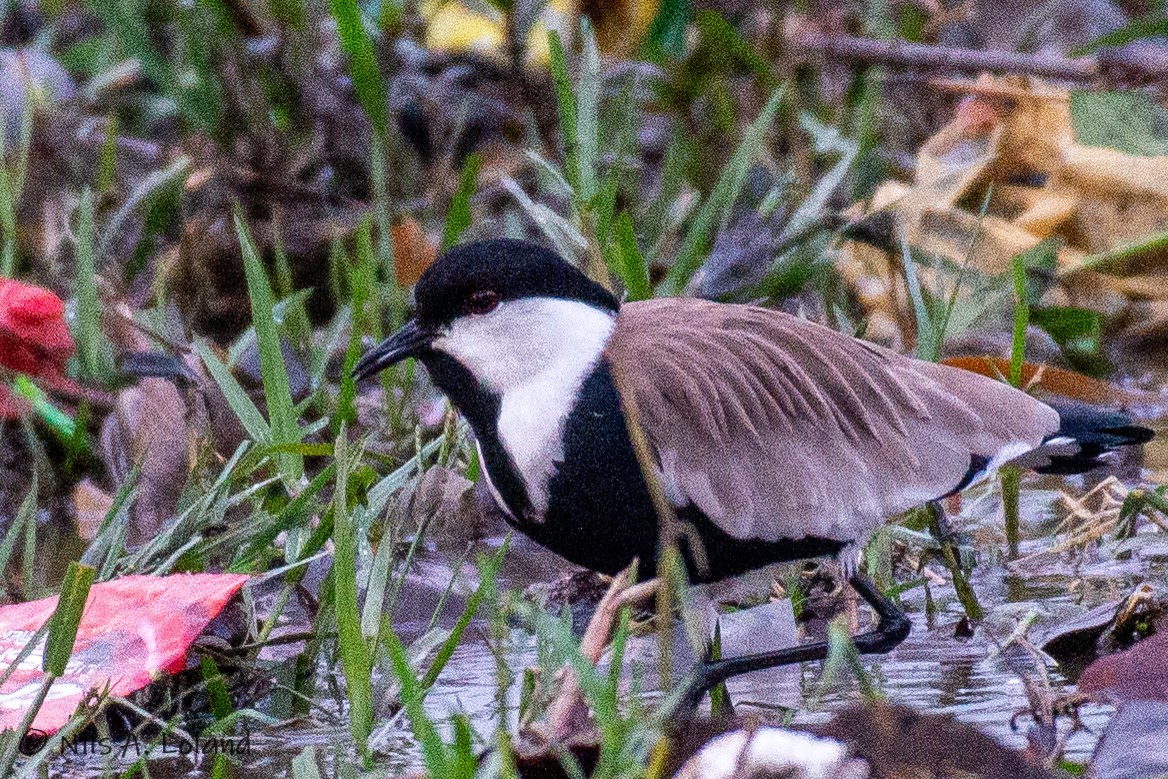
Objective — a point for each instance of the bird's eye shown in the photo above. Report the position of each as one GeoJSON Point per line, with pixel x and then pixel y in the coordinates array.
{"type": "Point", "coordinates": [483, 301]}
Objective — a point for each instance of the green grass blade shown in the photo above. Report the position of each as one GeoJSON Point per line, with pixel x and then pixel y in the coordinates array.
{"type": "Point", "coordinates": [568, 111]}
{"type": "Point", "coordinates": [486, 585]}
{"type": "Point", "coordinates": [63, 425]}
{"type": "Point", "coordinates": [367, 79]}
{"type": "Point", "coordinates": [1021, 320]}
{"type": "Point", "coordinates": [33, 583]}
{"type": "Point", "coordinates": [25, 520]}
{"type": "Point", "coordinates": [304, 765]}
{"type": "Point", "coordinates": [459, 216]}
{"type": "Point", "coordinates": [588, 114]}
{"type": "Point", "coordinates": [927, 348]}
{"type": "Point", "coordinates": [93, 348]}
{"type": "Point", "coordinates": [726, 37]}
{"type": "Point", "coordinates": [237, 398]}
{"type": "Point", "coordinates": [354, 652]}
{"type": "Point", "coordinates": [433, 750]}
{"type": "Point", "coordinates": [1153, 25]}
{"type": "Point", "coordinates": [15, 662]}
{"type": "Point", "coordinates": [7, 216]}
{"type": "Point", "coordinates": [827, 141]}
{"type": "Point", "coordinates": [633, 272]}
{"type": "Point", "coordinates": [25, 141]}
{"type": "Point", "coordinates": [109, 541]}
{"type": "Point", "coordinates": [107, 170]}
{"type": "Point", "coordinates": [701, 232]}
{"type": "Point", "coordinates": [281, 409]}
{"type": "Point", "coordinates": [372, 611]}
{"type": "Point", "coordinates": [67, 616]}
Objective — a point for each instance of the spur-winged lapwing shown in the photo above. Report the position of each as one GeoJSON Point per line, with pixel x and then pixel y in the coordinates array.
{"type": "Point", "coordinates": [774, 438]}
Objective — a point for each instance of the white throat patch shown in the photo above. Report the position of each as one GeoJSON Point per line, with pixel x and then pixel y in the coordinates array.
{"type": "Point", "coordinates": [535, 354]}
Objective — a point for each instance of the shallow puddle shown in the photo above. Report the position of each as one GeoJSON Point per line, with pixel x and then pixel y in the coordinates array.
{"type": "Point", "coordinates": [931, 671]}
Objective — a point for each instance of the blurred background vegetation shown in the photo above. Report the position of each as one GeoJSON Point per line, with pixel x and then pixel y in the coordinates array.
{"type": "Point", "coordinates": [233, 198]}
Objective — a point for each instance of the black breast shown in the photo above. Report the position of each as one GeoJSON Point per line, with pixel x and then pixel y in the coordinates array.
{"type": "Point", "coordinates": [599, 512]}
{"type": "Point", "coordinates": [600, 515]}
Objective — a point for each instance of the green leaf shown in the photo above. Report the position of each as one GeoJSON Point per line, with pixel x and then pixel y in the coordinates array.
{"type": "Point", "coordinates": [281, 410]}
{"type": "Point", "coordinates": [67, 616]}
{"type": "Point", "coordinates": [725, 192]}
{"type": "Point", "coordinates": [1150, 26]}
{"type": "Point", "coordinates": [458, 218]}
{"type": "Point", "coordinates": [367, 80]}
{"type": "Point", "coordinates": [354, 652]}
{"type": "Point", "coordinates": [632, 270]}
{"type": "Point", "coordinates": [1077, 329]}
{"type": "Point", "coordinates": [217, 694]}
{"type": "Point", "coordinates": [1130, 122]}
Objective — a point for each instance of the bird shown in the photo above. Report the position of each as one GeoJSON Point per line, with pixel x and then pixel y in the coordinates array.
{"type": "Point", "coordinates": [770, 438]}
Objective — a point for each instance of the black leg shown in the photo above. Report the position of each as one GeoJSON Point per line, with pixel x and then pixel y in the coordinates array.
{"type": "Point", "coordinates": [892, 628]}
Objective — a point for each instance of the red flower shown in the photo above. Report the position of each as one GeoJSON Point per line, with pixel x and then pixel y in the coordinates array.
{"type": "Point", "coordinates": [33, 336]}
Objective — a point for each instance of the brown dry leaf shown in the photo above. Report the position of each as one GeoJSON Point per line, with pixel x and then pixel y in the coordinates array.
{"type": "Point", "coordinates": [413, 252]}
{"type": "Point", "coordinates": [91, 504]}
{"type": "Point", "coordinates": [149, 427]}
{"type": "Point", "coordinates": [1014, 137]}
{"type": "Point", "coordinates": [1058, 381]}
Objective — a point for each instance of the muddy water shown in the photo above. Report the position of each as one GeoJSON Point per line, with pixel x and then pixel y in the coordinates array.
{"type": "Point", "coordinates": [932, 671]}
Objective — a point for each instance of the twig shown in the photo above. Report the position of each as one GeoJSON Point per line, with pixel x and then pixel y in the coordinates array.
{"type": "Point", "coordinates": [920, 55]}
{"type": "Point", "coordinates": [569, 711]}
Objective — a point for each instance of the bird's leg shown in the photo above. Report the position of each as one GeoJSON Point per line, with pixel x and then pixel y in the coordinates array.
{"type": "Point", "coordinates": [892, 628]}
{"type": "Point", "coordinates": [849, 561]}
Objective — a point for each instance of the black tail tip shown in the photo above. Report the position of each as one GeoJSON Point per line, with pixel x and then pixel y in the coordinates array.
{"type": "Point", "coordinates": [1104, 426]}
{"type": "Point", "coordinates": [1097, 432]}
{"type": "Point", "coordinates": [1130, 435]}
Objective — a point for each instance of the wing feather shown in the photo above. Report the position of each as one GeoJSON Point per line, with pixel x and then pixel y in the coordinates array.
{"type": "Point", "coordinates": [780, 428]}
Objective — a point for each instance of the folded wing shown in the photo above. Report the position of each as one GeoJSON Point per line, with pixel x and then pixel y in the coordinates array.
{"type": "Point", "coordinates": [775, 427]}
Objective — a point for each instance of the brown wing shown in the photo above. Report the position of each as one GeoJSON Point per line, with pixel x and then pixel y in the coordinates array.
{"type": "Point", "coordinates": [780, 428]}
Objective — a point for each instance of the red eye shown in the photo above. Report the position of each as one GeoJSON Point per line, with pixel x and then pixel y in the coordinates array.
{"type": "Point", "coordinates": [482, 302]}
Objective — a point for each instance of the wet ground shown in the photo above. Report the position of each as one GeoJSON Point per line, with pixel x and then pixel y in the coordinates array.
{"type": "Point", "coordinates": [933, 670]}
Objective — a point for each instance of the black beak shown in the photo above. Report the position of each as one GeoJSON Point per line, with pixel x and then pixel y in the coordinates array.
{"type": "Point", "coordinates": [410, 341]}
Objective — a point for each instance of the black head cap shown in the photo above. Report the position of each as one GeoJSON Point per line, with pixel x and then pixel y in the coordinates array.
{"type": "Point", "coordinates": [504, 267]}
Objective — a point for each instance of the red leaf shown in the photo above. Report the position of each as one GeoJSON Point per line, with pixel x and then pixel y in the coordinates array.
{"type": "Point", "coordinates": [34, 338]}
{"type": "Point", "coordinates": [133, 631]}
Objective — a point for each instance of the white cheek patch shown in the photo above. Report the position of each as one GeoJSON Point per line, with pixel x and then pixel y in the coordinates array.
{"type": "Point", "coordinates": [534, 353]}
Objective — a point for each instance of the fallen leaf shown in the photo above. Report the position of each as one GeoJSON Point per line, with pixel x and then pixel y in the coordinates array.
{"type": "Point", "coordinates": [149, 427]}
{"type": "Point", "coordinates": [1055, 380]}
{"type": "Point", "coordinates": [133, 630]}
{"type": "Point", "coordinates": [91, 504]}
{"type": "Point", "coordinates": [413, 252]}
